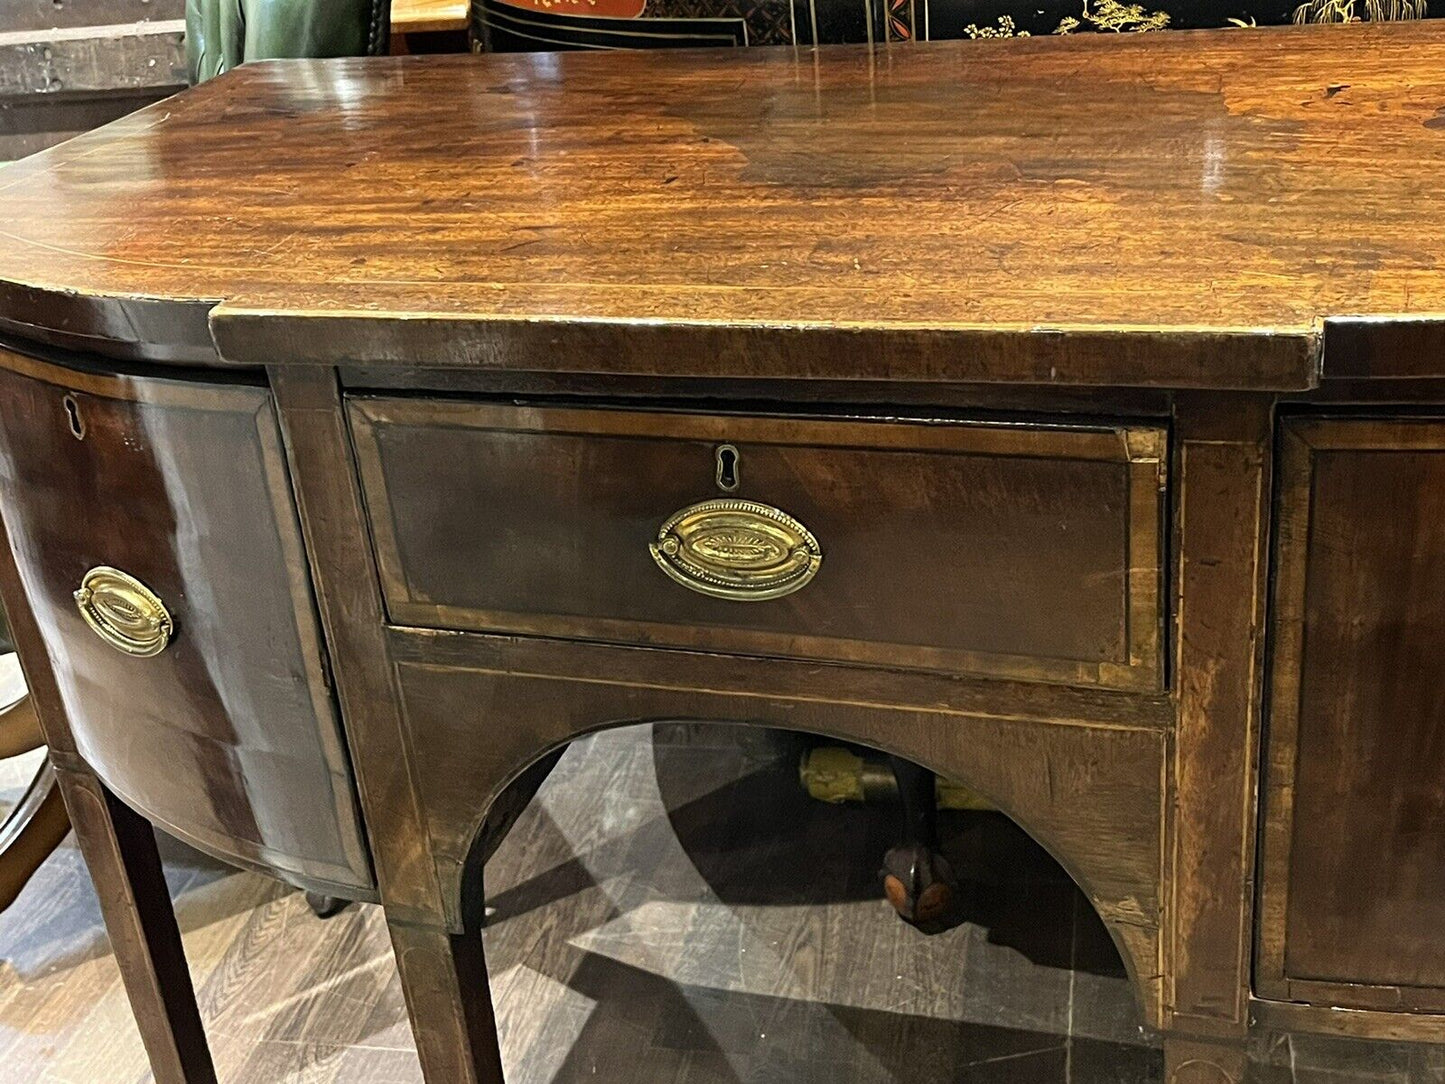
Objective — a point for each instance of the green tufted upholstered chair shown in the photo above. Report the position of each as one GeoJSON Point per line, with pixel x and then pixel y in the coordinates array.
{"type": "Point", "coordinates": [220, 34]}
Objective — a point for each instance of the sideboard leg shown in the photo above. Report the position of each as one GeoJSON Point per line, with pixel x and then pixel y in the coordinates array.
{"type": "Point", "coordinates": [444, 978]}
{"type": "Point", "coordinates": [119, 847]}
{"type": "Point", "coordinates": [1189, 1060]}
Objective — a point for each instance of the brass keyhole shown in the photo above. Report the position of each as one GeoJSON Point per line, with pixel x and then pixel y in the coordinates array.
{"type": "Point", "coordinates": [72, 415]}
{"type": "Point", "coordinates": [727, 468]}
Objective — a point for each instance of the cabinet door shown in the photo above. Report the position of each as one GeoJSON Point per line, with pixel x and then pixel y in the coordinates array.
{"type": "Point", "coordinates": [1353, 890]}
{"type": "Point", "coordinates": [227, 736]}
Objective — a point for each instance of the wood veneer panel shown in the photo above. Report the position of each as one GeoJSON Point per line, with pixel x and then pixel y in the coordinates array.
{"type": "Point", "coordinates": [230, 737]}
{"type": "Point", "coordinates": [1355, 845]}
{"type": "Point", "coordinates": [1023, 551]}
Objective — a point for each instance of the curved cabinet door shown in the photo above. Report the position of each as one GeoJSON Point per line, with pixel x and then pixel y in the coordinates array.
{"type": "Point", "coordinates": [227, 736]}
{"type": "Point", "coordinates": [1353, 889]}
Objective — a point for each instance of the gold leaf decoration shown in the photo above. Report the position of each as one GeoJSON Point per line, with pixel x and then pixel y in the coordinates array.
{"type": "Point", "coordinates": [1355, 11]}
{"type": "Point", "coordinates": [1005, 29]}
{"type": "Point", "coordinates": [1118, 18]}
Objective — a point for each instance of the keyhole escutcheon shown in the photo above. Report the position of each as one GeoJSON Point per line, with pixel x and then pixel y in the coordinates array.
{"type": "Point", "coordinates": [72, 415]}
{"type": "Point", "coordinates": [727, 468]}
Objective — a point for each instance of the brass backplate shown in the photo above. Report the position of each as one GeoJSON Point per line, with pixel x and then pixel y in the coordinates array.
{"type": "Point", "coordinates": [734, 549]}
{"type": "Point", "coordinates": [124, 612]}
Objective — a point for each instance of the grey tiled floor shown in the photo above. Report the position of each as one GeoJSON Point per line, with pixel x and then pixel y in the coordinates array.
{"type": "Point", "coordinates": [664, 912]}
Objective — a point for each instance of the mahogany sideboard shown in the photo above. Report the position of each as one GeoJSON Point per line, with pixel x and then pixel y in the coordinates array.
{"type": "Point", "coordinates": [1065, 415]}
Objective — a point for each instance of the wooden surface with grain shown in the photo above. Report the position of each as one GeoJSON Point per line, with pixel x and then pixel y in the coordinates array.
{"type": "Point", "coordinates": [230, 738]}
{"type": "Point", "coordinates": [1039, 545]}
{"type": "Point", "coordinates": [1190, 209]}
{"type": "Point", "coordinates": [657, 256]}
{"type": "Point", "coordinates": [1354, 794]}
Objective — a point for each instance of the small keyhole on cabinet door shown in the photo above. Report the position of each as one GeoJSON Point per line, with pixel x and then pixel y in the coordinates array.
{"type": "Point", "coordinates": [72, 414]}
{"type": "Point", "coordinates": [727, 468]}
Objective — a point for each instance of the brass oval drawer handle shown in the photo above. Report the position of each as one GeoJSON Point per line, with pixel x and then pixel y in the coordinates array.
{"type": "Point", "coordinates": [738, 550]}
{"type": "Point", "coordinates": [124, 612]}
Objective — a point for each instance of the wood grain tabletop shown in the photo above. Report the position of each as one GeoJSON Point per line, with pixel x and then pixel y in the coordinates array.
{"type": "Point", "coordinates": [1178, 209]}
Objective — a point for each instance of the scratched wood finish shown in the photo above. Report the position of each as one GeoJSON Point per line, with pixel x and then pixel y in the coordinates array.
{"type": "Point", "coordinates": [1355, 811]}
{"type": "Point", "coordinates": [1018, 551]}
{"type": "Point", "coordinates": [1223, 509]}
{"type": "Point", "coordinates": [1180, 209]}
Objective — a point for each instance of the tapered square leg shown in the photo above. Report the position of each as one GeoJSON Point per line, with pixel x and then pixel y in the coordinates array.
{"type": "Point", "coordinates": [444, 978]}
{"type": "Point", "coordinates": [120, 849]}
{"type": "Point", "coordinates": [1189, 1060]}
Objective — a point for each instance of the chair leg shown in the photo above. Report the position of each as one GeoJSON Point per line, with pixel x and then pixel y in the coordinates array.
{"type": "Point", "coordinates": [34, 828]}
{"type": "Point", "coordinates": [917, 879]}
{"type": "Point", "coordinates": [120, 849]}
{"type": "Point", "coordinates": [449, 1000]}
{"type": "Point", "coordinates": [324, 906]}
{"type": "Point", "coordinates": [19, 729]}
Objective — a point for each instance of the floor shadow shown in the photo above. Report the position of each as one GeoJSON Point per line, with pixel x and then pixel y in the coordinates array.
{"type": "Point", "coordinates": [757, 838]}
{"type": "Point", "coordinates": [57, 922]}
{"type": "Point", "coordinates": [760, 839]}
{"type": "Point", "coordinates": [644, 1027]}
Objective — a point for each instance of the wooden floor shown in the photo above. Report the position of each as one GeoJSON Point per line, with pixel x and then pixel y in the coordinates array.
{"type": "Point", "coordinates": [665, 912]}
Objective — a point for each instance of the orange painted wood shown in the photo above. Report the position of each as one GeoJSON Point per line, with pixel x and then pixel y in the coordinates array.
{"type": "Point", "coordinates": [428, 16]}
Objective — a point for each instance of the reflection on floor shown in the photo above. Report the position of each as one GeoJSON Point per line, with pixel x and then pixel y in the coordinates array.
{"type": "Point", "coordinates": [668, 912]}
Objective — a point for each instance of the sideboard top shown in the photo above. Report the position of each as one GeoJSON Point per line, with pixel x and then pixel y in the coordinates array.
{"type": "Point", "coordinates": [1193, 208]}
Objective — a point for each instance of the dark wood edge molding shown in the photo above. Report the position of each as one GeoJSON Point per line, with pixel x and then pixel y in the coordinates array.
{"type": "Point", "coordinates": [125, 328]}
{"type": "Point", "coordinates": [1292, 516]}
{"type": "Point", "coordinates": [1277, 360]}
{"type": "Point", "coordinates": [1141, 448]}
{"type": "Point", "coordinates": [766, 679]}
{"type": "Point", "coordinates": [258, 859]}
{"type": "Point", "coordinates": [1382, 348]}
{"type": "Point", "coordinates": [168, 331]}
{"type": "Point", "coordinates": [1353, 1023]}
{"type": "Point", "coordinates": [1222, 452]}
{"type": "Point", "coordinates": [262, 860]}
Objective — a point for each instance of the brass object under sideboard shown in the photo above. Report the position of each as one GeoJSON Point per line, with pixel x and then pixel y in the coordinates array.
{"type": "Point", "coordinates": [1099, 465]}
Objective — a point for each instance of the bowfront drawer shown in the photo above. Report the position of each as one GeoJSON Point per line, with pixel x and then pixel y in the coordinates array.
{"type": "Point", "coordinates": [153, 532]}
{"type": "Point", "coordinates": [1019, 551]}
